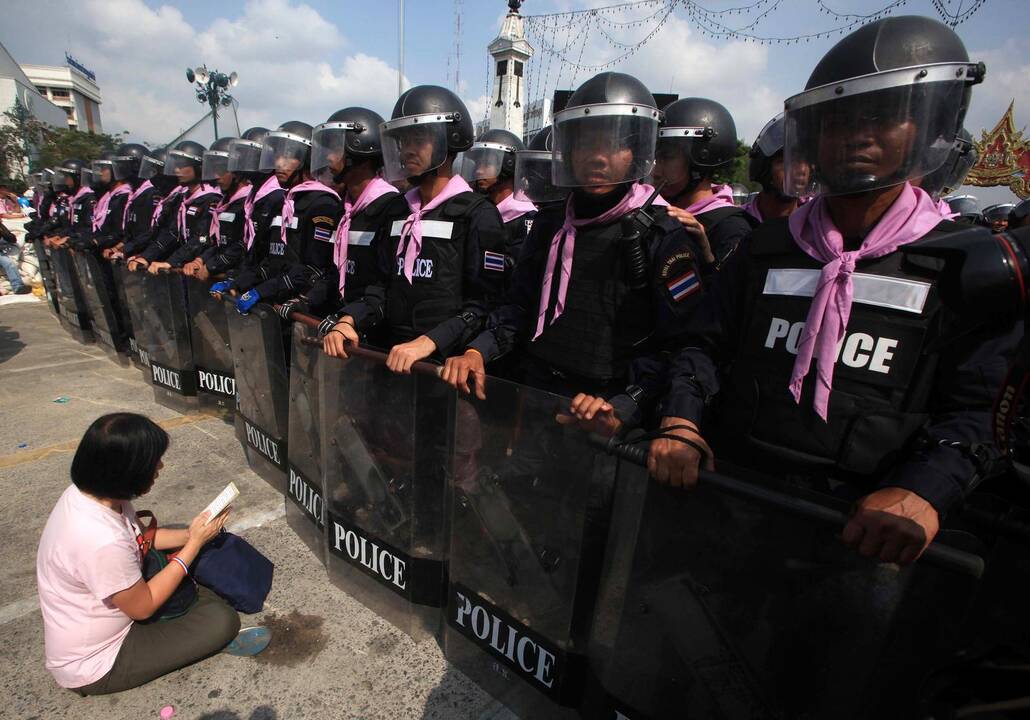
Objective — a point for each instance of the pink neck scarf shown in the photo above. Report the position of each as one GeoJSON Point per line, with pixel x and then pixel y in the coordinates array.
{"type": "Point", "coordinates": [216, 230]}
{"type": "Point", "coordinates": [72, 199]}
{"type": "Point", "coordinates": [201, 191]}
{"type": "Point", "coordinates": [945, 210]}
{"type": "Point", "coordinates": [269, 186]}
{"type": "Point", "coordinates": [104, 205]}
{"type": "Point", "coordinates": [176, 192]}
{"type": "Point", "coordinates": [723, 197]}
{"type": "Point", "coordinates": [911, 216]}
{"type": "Point", "coordinates": [375, 189]}
{"type": "Point", "coordinates": [288, 203]}
{"type": "Point", "coordinates": [511, 209]}
{"type": "Point", "coordinates": [751, 208]}
{"type": "Point", "coordinates": [412, 231]}
{"type": "Point", "coordinates": [637, 196]}
{"type": "Point", "coordinates": [132, 198]}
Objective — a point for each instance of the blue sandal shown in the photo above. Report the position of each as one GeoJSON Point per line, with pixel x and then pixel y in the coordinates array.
{"type": "Point", "coordinates": [250, 641]}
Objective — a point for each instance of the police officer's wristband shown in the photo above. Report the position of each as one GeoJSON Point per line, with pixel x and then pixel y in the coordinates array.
{"type": "Point", "coordinates": [471, 349]}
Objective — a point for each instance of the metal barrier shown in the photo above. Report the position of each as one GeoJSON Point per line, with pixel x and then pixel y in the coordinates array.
{"type": "Point", "coordinates": [212, 355]}
{"type": "Point", "coordinates": [262, 387]}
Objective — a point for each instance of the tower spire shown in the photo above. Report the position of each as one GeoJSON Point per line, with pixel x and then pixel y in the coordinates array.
{"type": "Point", "coordinates": [510, 51]}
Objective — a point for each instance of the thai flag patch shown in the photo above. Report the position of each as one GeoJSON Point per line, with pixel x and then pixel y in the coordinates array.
{"type": "Point", "coordinates": [323, 234]}
{"type": "Point", "coordinates": [684, 286]}
{"type": "Point", "coordinates": [493, 261]}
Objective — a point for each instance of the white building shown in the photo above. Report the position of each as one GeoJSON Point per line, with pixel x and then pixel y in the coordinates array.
{"type": "Point", "coordinates": [15, 85]}
{"type": "Point", "coordinates": [510, 51]}
{"type": "Point", "coordinates": [73, 90]}
{"type": "Point", "coordinates": [538, 116]}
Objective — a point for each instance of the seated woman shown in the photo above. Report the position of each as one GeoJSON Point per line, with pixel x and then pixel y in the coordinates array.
{"type": "Point", "coordinates": [92, 593]}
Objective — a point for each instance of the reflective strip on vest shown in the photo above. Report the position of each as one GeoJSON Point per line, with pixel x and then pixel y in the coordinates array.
{"type": "Point", "coordinates": [360, 237]}
{"type": "Point", "coordinates": [430, 228]}
{"type": "Point", "coordinates": [879, 290]}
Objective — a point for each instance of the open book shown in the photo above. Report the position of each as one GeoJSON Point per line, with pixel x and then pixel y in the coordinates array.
{"type": "Point", "coordinates": [224, 499]}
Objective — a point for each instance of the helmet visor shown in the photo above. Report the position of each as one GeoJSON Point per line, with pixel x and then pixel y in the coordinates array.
{"type": "Point", "coordinates": [534, 180]}
{"type": "Point", "coordinates": [596, 145]}
{"type": "Point", "coordinates": [284, 152]}
{"type": "Point", "coordinates": [413, 146]}
{"type": "Point", "coordinates": [483, 162]}
{"type": "Point", "coordinates": [872, 132]}
{"type": "Point", "coordinates": [179, 160]}
{"type": "Point", "coordinates": [997, 213]}
{"type": "Point", "coordinates": [770, 140]}
{"type": "Point", "coordinates": [244, 156]}
{"type": "Point", "coordinates": [103, 170]}
{"type": "Point", "coordinates": [126, 167]}
{"type": "Point", "coordinates": [964, 205]}
{"type": "Point", "coordinates": [329, 149]}
{"type": "Point", "coordinates": [216, 164]}
{"type": "Point", "coordinates": [85, 177]}
{"type": "Point", "coordinates": [150, 167]}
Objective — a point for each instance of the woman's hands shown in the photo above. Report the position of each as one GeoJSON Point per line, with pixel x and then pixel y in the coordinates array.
{"type": "Point", "coordinates": [201, 531]}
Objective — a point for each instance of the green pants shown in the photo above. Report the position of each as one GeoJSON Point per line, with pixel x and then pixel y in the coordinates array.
{"type": "Point", "coordinates": [155, 649]}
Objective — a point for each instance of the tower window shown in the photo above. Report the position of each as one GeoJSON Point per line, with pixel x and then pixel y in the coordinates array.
{"type": "Point", "coordinates": [502, 67]}
{"type": "Point", "coordinates": [518, 69]}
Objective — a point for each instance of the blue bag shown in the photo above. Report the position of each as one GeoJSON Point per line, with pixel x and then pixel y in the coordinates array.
{"type": "Point", "coordinates": [231, 568]}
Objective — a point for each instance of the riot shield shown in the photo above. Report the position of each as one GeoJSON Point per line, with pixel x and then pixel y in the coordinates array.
{"type": "Point", "coordinates": [141, 315]}
{"type": "Point", "coordinates": [46, 271]}
{"type": "Point", "coordinates": [97, 285]}
{"type": "Point", "coordinates": [262, 387]}
{"type": "Point", "coordinates": [385, 458]}
{"type": "Point", "coordinates": [126, 300]}
{"type": "Point", "coordinates": [74, 311]}
{"type": "Point", "coordinates": [305, 509]}
{"type": "Point", "coordinates": [727, 605]}
{"type": "Point", "coordinates": [172, 373]}
{"type": "Point", "coordinates": [528, 512]}
{"type": "Point", "coordinates": [212, 358]}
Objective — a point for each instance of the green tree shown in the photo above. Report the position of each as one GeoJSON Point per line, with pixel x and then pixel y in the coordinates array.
{"type": "Point", "coordinates": [62, 143]}
{"type": "Point", "coordinates": [20, 133]}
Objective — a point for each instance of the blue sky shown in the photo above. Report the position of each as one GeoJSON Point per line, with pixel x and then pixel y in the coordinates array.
{"type": "Point", "coordinates": [304, 60]}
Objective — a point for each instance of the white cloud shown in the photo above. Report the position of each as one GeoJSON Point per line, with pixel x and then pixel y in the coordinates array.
{"type": "Point", "coordinates": [292, 64]}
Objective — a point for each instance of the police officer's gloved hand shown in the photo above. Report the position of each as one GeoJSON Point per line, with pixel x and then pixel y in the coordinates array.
{"type": "Point", "coordinates": [246, 301]}
{"type": "Point", "coordinates": [220, 288]}
{"type": "Point", "coordinates": [287, 307]}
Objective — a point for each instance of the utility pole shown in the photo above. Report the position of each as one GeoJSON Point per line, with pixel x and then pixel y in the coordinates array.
{"type": "Point", "coordinates": [400, 47]}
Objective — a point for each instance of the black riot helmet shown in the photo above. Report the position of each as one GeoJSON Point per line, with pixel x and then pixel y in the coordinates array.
{"type": "Point", "coordinates": [152, 168]}
{"type": "Point", "coordinates": [428, 124]}
{"type": "Point", "coordinates": [767, 146]}
{"type": "Point", "coordinates": [612, 115]}
{"type": "Point", "coordinates": [883, 106]}
{"type": "Point", "coordinates": [997, 216]}
{"type": "Point", "coordinates": [348, 135]}
{"type": "Point", "coordinates": [700, 132]}
{"type": "Point", "coordinates": [127, 160]}
{"type": "Point", "coordinates": [245, 152]}
{"type": "Point", "coordinates": [966, 208]}
{"type": "Point", "coordinates": [72, 168]}
{"type": "Point", "coordinates": [491, 158]}
{"type": "Point", "coordinates": [188, 154]}
{"type": "Point", "coordinates": [102, 171]}
{"type": "Point", "coordinates": [216, 159]}
{"type": "Point", "coordinates": [534, 178]}
{"type": "Point", "coordinates": [286, 151]}
{"type": "Point", "coordinates": [1019, 215]}
{"type": "Point", "coordinates": [949, 176]}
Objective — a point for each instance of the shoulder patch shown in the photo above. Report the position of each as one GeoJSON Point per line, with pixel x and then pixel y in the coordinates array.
{"type": "Point", "coordinates": [323, 220]}
{"type": "Point", "coordinates": [675, 262]}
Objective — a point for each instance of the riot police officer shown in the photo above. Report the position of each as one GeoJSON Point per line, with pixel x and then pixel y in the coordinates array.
{"type": "Point", "coordinates": [150, 205]}
{"type": "Point", "coordinates": [839, 361]}
{"type": "Point", "coordinates": [45, 199]}
{"type": "Point", "coordinates": [697, 138]}
{"type": "Point", "coordinates": [949, 176]}
{"type": "Point", "coordinates": [964, 209]}
{"type": "Point", "coordinates": [489, 167]}
{"type": "Point", "coordinates": [77, 218]}
{"type": "Point", "coordinates": [110, 208]}
{"type": "Point", "coordinates": [347, 152]}
{"type": "Point", "coordinates": [778, 197]}
{"type": "Point", "coordinates": [302, 254]}
{"type": "Point", "coordinates": [225, 249]}
{"type": "Point", "coordinates": [125, 167]}
{"type": "Point", "coordinates": [591, 291]}
{"type": "Point", "coordinates": [996, 217]}
{"type": "Point", "coordinates": [442, 265]}
{"type": "Point", "coordinates": [174, 246]}
{"type": "Point", "coordinates": [262, 205]}
{"type": "Point", "coordinates": [534, 173]}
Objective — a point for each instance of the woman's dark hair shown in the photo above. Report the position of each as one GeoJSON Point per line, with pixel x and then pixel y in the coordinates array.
{"type": "Point", "coordinates": [118, 456]}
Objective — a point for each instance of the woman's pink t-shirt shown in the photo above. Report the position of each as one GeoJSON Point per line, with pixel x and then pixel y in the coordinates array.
{"type": "Point", "coordinates": [88, 552]}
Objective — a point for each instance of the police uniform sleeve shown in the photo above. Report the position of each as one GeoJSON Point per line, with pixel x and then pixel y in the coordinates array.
{"type": "Point", "coordinates": [727, 235]}
{"type": "Point", "coordinates": [482, 285]}
{"type": "Point", "coordinates": [941, 469]}
{"type": "Point", "coordinates": [369, 309]}
{"type": "Point", "coordinates": [509, 323]}
{"type": "Point", "coordinates": [165, 238]}
{"type": "Point", "coordinates": [221, 258]}
{"type": "Point", "coordinates": [138, 230]}
{"type": "Point", "coordinates": [313, 257]}
{"type": "Point", "coordinates": [80, 234]}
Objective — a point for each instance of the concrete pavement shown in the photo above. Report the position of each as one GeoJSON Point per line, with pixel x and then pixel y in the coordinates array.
{"type": "Point", "coordinates": [331, 657]}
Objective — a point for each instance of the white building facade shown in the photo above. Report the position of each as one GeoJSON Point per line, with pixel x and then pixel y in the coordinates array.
{"type": "Point", "coordinates": [77, 94]}
{"type": "Point", "coordinates": [16, 86]}
{"type": "Point", "coordinates": [510, 52]}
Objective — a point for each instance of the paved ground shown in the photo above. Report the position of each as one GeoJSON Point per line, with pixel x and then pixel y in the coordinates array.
{"type": "Point", "coordinates": [336, 659]}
